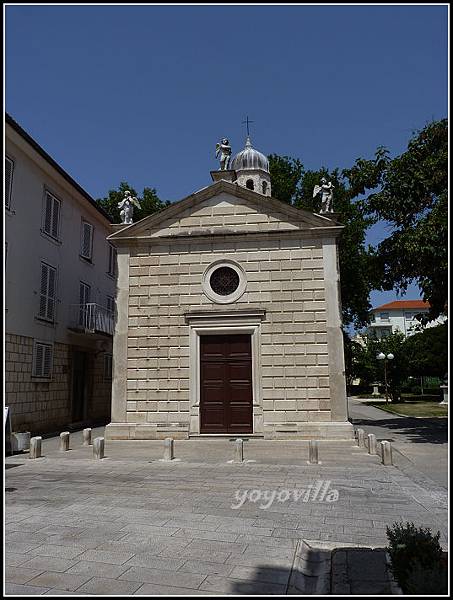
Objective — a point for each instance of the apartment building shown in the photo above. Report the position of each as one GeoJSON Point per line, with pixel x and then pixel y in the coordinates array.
{"type": "Point", "coordinates": [60, 281]}
{"type": "Point", "coordinates": [399, 316]}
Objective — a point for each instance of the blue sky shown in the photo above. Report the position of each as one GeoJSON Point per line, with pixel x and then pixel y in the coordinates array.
{"type": "Point", "coordinates": [142, 93]}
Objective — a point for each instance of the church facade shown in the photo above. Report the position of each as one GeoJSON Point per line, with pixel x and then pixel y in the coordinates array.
{"type": "Point", "coordinates": [228, 317]}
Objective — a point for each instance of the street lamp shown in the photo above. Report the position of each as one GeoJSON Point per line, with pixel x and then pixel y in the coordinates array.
{"type": "Point", "coordinates": [385, 358]}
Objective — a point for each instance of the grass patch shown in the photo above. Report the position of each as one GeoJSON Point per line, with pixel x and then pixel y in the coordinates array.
{"type": "Point", "coordinates": [417, 408]}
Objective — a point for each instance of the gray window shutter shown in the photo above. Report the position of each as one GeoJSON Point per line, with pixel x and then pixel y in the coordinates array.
{"type": "Point", "coordinates": [47, 363]}
{"type": "Point", "coordinates": [43, 290]}
{"type": "Point", "coordinates": [51, 294]}
{"type": "Point", "coordinates": [9, 166]}
{"type": "Point", "coordinates": [39, 360]}
{"type": "Point", "coordinates": [84, 293]}
{"type": "Point", "coordinates": [48, 214]}
{"type": "Point", "coordinates": [87, 231]}
{"type": "Point", "coordinates": [47, 292]}
{"type": "Point", "coordinates": [112, 260]}
{"type": "Point", "coordinates": [55, 217]}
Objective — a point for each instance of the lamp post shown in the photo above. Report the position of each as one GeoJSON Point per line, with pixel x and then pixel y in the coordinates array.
{"type": "Point", "coordinates": [385, 358]}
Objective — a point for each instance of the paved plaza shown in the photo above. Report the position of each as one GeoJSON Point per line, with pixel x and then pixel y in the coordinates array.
{"type": "Point", "coordinates": [133, 524]}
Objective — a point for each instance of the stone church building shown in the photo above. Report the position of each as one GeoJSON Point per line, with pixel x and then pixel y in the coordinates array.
{"type": "Point", "coordinates": [228, 317]}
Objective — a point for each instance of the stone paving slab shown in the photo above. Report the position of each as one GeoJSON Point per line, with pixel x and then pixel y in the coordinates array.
{"type": "Point", "coordinates": [172, 527]}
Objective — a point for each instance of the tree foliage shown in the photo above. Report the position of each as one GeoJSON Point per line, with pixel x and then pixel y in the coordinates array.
{"type": "Point", "coordinates": [427, 352]}
{"type": "Point", "coordinates": [149, 202]}
{"type": "Point", "coordinates": [412, 198]}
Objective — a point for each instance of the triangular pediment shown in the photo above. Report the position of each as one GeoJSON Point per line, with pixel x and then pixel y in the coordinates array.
{"type": "Point", "coordinates": [221, 209]}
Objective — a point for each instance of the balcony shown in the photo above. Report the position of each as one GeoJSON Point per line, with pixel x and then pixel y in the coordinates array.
{"type": "Point", "coordinates": [91, 318]}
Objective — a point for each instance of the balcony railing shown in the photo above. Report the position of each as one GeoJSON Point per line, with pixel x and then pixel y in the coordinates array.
{"type": "Point", "coordinates": [91, 318]}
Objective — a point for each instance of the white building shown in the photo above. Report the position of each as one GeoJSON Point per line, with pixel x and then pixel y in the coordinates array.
{"type": "Point", "coordinates": [60, 280]}
{"type": "Point", "coordinates": [399, 316]}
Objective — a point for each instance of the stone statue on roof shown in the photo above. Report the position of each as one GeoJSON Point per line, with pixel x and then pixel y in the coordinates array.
{"type": "Point", "coordinates": [326, 188]}
{"type": "Point", "coordinates": [127, 207]}
{"type": "Point", "coordinates": [223, 149]}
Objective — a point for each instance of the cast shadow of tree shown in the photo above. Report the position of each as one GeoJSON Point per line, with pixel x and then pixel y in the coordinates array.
{"type": "Point", "coordinates": [433, 431]}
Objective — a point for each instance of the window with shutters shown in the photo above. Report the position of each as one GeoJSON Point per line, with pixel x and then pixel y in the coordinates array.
{"type": "Point", "coordinates": [85, 293]}
{"type": "Point", "coordinates": [9, 168]}
{"type": "Point", "coordinates": [86, 243]}
{"type": "Point", "coordinates": [51, 216]}
{"type": "Point", "coordinates": [110, 304]}
{"type": "Point", "coordinates": [47, 292]}
{"type": "Point", "coordinates": [42, 360]}
{"type": "Point", "coordinates": [84, 299]}
{"type": "Point", "coordinates": [107, 366]}
{"type": "Point", "coordinates": [112, 261]}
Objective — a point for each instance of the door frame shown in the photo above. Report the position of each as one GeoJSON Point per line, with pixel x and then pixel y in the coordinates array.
{"type": "Point", "coordinates": [210, 324]}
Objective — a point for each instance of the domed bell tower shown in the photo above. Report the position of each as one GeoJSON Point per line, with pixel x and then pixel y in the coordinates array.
{"type": "Point", "coordinates": [252, 169]}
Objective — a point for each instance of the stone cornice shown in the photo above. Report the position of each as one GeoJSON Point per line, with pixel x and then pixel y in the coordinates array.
{"type": "Point", "coordinates": [315, 232]}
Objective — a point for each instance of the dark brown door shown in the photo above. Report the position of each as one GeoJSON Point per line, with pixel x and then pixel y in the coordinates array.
{"type": "Point", "coordinates": [226, 384]}
{"type": "Point", "coordinates": [79, 386]}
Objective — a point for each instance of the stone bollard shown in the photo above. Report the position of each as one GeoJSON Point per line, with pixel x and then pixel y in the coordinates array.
{"type": "Point", "coordinates": [386, 453]}
{"type": "Point", "coordinates": [372, 449]}
{"type": "Point", "coordinates": [169, 453]}
{"type": "Point", "coordinates": [35, 447]}
{"type": "Point", "coordinates": [64, 441]}
{"type": "Point", "coordinates": [361, 438]}
{"type": "Point", "coordinates": [87, 437]}
{"type": "Point", "coordinates": [313, 448]}
{"type": "Point", "coordinates": [239, 450]}
{"type": "Point", "coordinates": [98, 447]}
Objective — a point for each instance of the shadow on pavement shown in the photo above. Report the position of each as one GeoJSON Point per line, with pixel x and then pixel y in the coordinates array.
{"type": "Point", "coordinates": [349, 571]}
{"type": "Point", "coordinates": [433, 431]}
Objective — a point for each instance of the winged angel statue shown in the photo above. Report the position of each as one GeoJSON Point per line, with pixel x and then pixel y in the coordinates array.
{"type": "Point", "coordinates": [327, 195]}
{"type": "Point", "coordinates": [224, 149]}
{"type": "Point", "coordinates": [127, 207]}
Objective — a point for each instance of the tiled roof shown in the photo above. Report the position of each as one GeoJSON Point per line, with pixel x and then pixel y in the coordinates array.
{"type": "Point", "coordinates": [403, 304]}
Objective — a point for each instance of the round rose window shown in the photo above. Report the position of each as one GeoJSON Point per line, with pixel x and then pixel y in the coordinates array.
{"type": "Point", "coordinates": [224, 281]}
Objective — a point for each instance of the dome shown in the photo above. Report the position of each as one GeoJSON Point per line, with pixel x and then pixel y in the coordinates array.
{"type": "Point", "coordinates": [249, 159]}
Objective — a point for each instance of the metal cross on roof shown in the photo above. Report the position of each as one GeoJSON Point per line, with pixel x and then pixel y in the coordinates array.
{"type": "Point", "coordinates": [247, 123]}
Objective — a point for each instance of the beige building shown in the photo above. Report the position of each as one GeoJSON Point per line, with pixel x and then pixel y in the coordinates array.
{"type": "Point", "coordinates": [60, 279]}
{"type": "Point", "coordinates": [228, 317]}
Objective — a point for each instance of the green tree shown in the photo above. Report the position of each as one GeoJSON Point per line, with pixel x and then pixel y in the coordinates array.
{"type": "Point", "coordinates": [427, 352]}
{"type": "Point", "coordinates": [366, 366]}
{"type": "Point", "coordinates": [286, 173]}
{"type": "Point", "coordinates": [412, 197]}
{"type": "Point", "coordinates": [149, 202]}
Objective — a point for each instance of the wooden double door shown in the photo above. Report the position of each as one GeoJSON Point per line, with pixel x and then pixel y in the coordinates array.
{"type": "Point", "coordinates": [226, 394]}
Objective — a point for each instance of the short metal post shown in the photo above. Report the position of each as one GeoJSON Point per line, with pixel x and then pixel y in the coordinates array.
{"type": "Point", "coordinates": [98, 448]}
{"type": "Point", "coordinates": [361, 438]}
{"type": "Point", "coordinates": [313, 454]}
{"type": "Point", "coordinates": [239, 450]}
{"type": "Point", "coordinates": [87, 437]}
{"type": "Point", "coordinates": [169, 453]}
{"type": "Point", "coordinates": [64, 441]}
{"type": "Point", "coordinates": [35, 447]}
{"type": "Point", "coordinates": [386, 453]}
{"type": "Point", "coordinates": [372, 449]}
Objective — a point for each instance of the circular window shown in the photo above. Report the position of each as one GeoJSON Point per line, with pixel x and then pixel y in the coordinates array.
{"type": "Point", "coordinates": [224, 281]}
